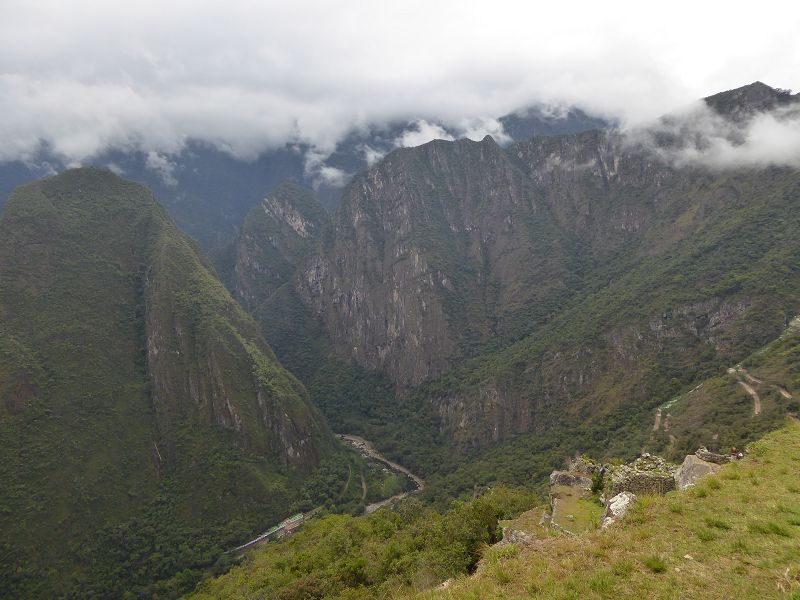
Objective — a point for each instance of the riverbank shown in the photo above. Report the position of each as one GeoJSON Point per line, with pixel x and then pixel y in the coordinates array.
{"type": "Point", "coordinates": [366, 449]}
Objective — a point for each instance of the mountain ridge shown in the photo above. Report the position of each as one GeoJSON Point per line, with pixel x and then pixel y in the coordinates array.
{"type": "Point", "coordinates": [131, 380]}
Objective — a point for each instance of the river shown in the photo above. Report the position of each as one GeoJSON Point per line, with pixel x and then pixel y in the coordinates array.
{"type": "Point", "coordinates": [366, 448]}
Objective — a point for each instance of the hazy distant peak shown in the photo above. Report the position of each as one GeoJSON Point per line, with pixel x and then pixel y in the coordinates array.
{"type": "Point", "coordinates": [749, 99]}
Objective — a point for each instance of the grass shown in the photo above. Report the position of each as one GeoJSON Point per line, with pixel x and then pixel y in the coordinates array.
{"type": "Point", "coordinates": [729, 543]}
{"type": "Point", "coordinates": [655, 563]}
{"type": "Point", "coordinates": [575, 510]}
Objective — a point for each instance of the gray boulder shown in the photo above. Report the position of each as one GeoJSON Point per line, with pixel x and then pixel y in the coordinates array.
{"type": "Point", "coordinates": [570, 479]}
{"type": "Point", "coordinates": [692, 470]}
{"type": "Point", "coordinates": [712, 457]}
{"type": "Point", "coordinates": [617, 507]}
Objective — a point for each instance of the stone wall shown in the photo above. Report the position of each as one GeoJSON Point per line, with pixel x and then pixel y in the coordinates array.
{"type": "Point", "coordinates": [643, 483]}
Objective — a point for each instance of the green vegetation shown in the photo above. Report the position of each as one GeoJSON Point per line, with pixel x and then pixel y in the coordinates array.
{"type": "Point", "coordinates": [746, 545]}
{"type": "Point", "coordinates": [275, 237]}
{"type": "Point", "coordinates": [625, 321]}
{"type": "Point", "coordinates": [389, 553]}
{"type": "Point", "coordinates": [145, 425]}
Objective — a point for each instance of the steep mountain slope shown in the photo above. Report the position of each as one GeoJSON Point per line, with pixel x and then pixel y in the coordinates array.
{"type": "Point", "coordinates": [209, 192]}
{"type": "Point", "coordinates": [750, 397]}
{"type": "Point", "coordinates": [141, 409]}
{"type": "Point", "coordinates": [560, 289]}
{"type": "Point", "coordinates": [275, 238]}
{"type": "Point", "coordinates": [425, 258]}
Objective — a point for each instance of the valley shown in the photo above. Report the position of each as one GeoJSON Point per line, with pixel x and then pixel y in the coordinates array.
{"type": "Point", "coordinates": [474, 313]}
{"type": "Point", "coordinates": [366, 448]}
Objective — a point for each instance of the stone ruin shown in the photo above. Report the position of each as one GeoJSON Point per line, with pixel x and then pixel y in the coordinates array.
{"type": "Point", "coordinates": [578, 474]}
{"type": "Point", "coordinates": [648, 474]}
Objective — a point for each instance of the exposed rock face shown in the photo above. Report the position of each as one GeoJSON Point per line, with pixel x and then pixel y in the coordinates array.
{"type": "Point", "coordinates": [460, 250]}
{"type": "Point", "coordinates": [617, 507]}
{"type": "Point", "coordinates": [571, 479]}
{"type": "Point", "coordinates": [692, 470]}
{"type": "Point", "coordinates": [425, 258]}
{"type": "Point", "coordinates": [275, 238]}
{"type": "Point", "coordinates": [516, 536]}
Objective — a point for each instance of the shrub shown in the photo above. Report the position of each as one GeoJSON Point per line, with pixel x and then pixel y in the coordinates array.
{"type": "Point", "coordinates": [597, 482]}
{"type": "Point", "coordinates": [601, 582]}
{"type": "Point", "coordinates": [705, 535]}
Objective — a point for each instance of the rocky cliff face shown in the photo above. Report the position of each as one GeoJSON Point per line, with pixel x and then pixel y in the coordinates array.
{"type": "Point", "coordinates": [553, 281]}
{"type": "Point", "coordinates": [424, 261]}
{"type": "Point", "coordinates": [275, 238]}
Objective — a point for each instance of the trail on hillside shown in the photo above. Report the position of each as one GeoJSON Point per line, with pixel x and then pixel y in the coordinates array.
{"type": "Point", "coordinates": [363, 488]}
{"type": "Point", "coordinates": [737, 372]}
{"type": "Point", "coordinates": [657, 424]}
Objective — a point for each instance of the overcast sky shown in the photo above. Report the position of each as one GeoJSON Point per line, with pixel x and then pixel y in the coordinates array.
{"type": "Point", "coordinates": [248, 75]}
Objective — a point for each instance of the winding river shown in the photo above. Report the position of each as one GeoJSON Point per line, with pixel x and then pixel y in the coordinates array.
{"type": "Point", "coordinates": [366, 448]}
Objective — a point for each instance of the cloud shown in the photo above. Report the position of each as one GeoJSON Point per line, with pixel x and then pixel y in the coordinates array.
{"type": "Point", "coordinates": [420, 133]}
{"type": "Point", "coordinates": [320, 173]}
{"type": "Point", "coordinates": [477, 129]}
{"type": "Point", "coordinates": [332, 176]}
{"type": "Point", "coordinates": [371, 155]}
{"type": "Point", "coordinates": [698, 136]}
{"type": "Point", "coordinates": [162, 166]}
{"type": "Point", "coordinates": [86, 76]}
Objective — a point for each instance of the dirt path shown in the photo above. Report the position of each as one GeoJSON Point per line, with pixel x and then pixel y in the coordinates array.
{"type": "Point", "coordinates": [735, 371]}
{"type": "Point", "coordinates": [363, 488]}
{"type": "Point", "coordinates": [756, 400]}
{"type": "Point", "coordinates": [349, 477]}
{"type": "Point", "coordinates": [657, 424]}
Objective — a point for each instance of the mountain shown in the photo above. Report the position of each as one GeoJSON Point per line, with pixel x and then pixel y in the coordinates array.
{"type": "Point", "coordinates": [743, 102]}
{"type": "Point", "coordinates": [435, 252]}
{"type": "Point", "coordinates": [209, 192]}
{"type": "Point", "coordinates": [749, 509]}
{"type": "Point", "coordinates": [145, 423]}
{"type": "Point", "coordinates": [275, 238]}
{"type": "Point", "coordinates": [555, 291]}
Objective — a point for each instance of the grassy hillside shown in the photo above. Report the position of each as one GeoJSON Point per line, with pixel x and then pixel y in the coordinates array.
{"type": "Point", "coordinates": [145, 425]}
{"type": "Point", "coordinates": [733, 536]}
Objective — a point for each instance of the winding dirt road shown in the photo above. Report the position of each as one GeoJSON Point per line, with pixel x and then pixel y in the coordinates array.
{"type": "Point", "coordinates": [737, 372]}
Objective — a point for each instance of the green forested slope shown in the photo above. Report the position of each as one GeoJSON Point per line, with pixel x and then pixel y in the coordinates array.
{"type": "Point", "coordinates": [740, 528]}
{"type": "Point", "coordinates": [144, 422]}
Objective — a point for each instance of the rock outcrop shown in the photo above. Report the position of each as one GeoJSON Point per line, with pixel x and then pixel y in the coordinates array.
{"type": "Point", "coordinates": [712, 457]}
{"type": "Point", "coordinates": [617, 507]}
{"type": "Point", "coordinates": [692, 470]}
{"type": "Point", "coordinates": [571, 479]}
